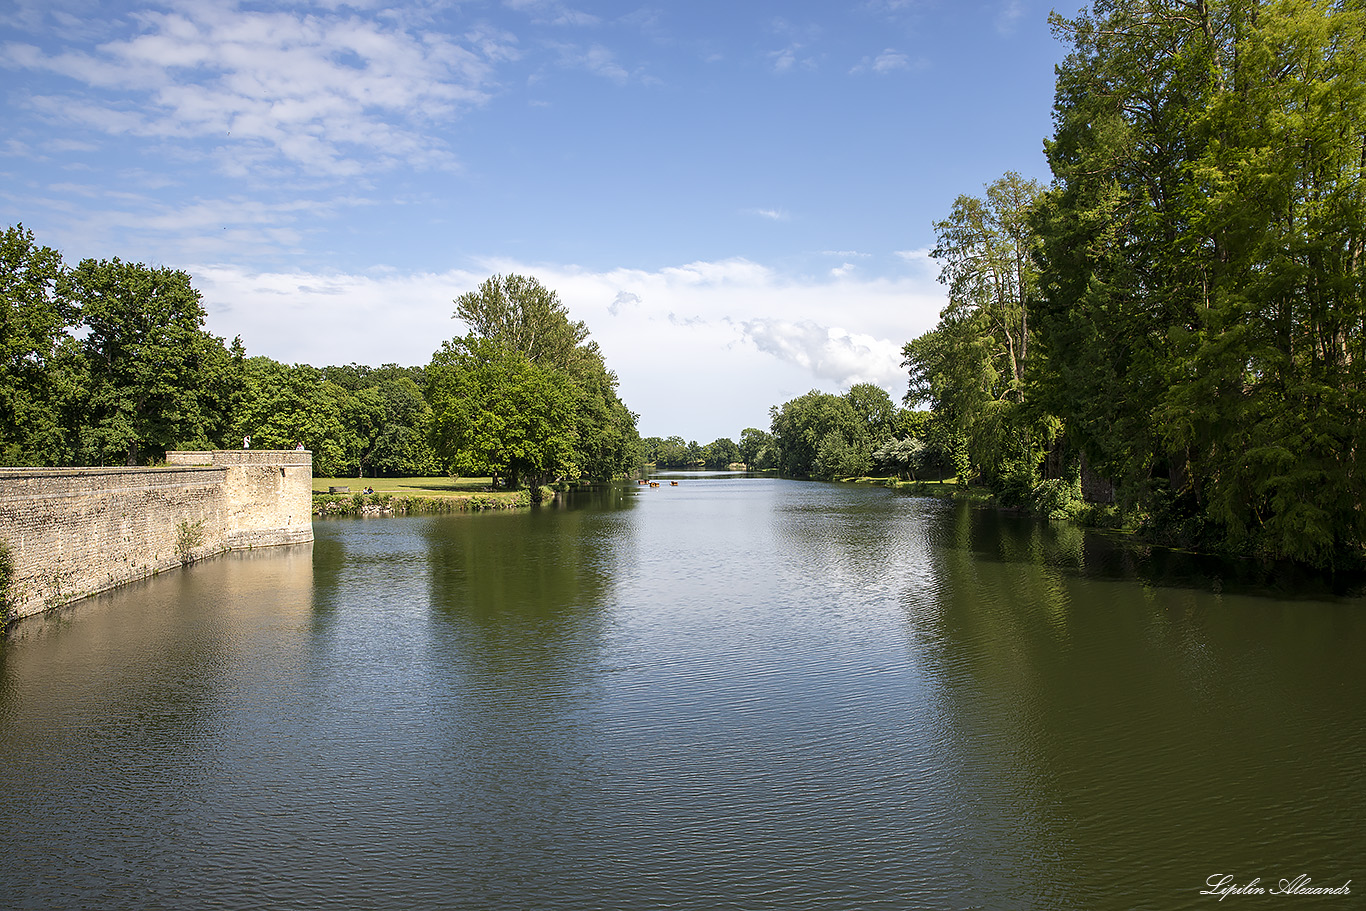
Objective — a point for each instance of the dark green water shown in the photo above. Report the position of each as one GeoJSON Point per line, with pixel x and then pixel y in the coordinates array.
{"type": "Point", "coordinates": [736, 693]}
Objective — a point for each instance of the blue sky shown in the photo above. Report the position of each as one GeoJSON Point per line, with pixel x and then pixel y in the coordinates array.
{"type": "Point", "coordinates": [737, 198]}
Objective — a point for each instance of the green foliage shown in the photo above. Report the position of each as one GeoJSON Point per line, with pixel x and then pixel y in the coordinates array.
{"type": "Point", "coordinates": [877, 416]}
{"type": "Point", "coordinates": [903, 457]}
{"type": "Point", "coordinates": [188, 536]}
{"type": "Point", "coordinates": [720, 453]}
{"type": "Point", "coordinates": [6, 583]}
{"type": "Point", "coordinates": [555, 411]}
{"type": "Point", "coordinates": [526, 317]}
{"type": "Point", "coordinates": [805, 424]}
{"type": "Point", "coordinates": [1201, 254]}
{"type": "Point", "coordinates": [673, 452]}
{"type": "Point", "coordinates": [38, 360]}
{"type": "Point", "coordinates": [497, 413]}
{"type": "Point", "coordinates": [154, 379]}
{"type": "Point", "coordinates": [973, 368]}
{"type": "Point", "coordinates": [286, 405]}
{"type": "Point", "coordinates": [837, 458]}
{"type": "Point", "coordinates": [757, 449]}
{"type": "Point", "coordinates": [1058, 499]}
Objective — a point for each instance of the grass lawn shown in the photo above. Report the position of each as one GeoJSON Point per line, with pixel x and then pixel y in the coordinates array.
{"type": "Point", "coordinates": [412, 487]}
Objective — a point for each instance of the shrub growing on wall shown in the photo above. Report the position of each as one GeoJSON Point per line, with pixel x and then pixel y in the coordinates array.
{"type": "Point", "coordinates": [6, 576]}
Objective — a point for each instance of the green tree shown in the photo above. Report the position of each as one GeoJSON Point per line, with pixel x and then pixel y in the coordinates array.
{"type": "Point", "coordinates": [974, 367]}
{"type": "Point", "coordinates": [285, 405]}
{"type": "Point", "coordinates": [402, 447]}
{"type": "Point", "coordinates": [672, 453]}
{"type": "Point", "coordinates": [496, 412]}
{"type": "Point", "coordinates": [606, 436]}
{"type": "Point", "coordinates": [754, 445]}
{"type": "Point", "coordinates": [152, 370]}
{"type": "Point", "coordinates": [903, 457]}
{"type": "Point", "coordinates": [39, 367]}
{"type": "Point", "coordinates": [874, 408]}
{"type": "Point", "coordinates": [803, 426]}
{"type": "Point", "coordinates": [837, 458]}
{"type": "Point", "coordinates": [1202, 269]}
{"type": "Point", "coordinates": [526, 317]}
{"type": "Point", "coordinates": [720, 453]}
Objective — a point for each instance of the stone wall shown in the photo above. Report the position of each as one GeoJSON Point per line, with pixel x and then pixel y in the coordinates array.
{"type": "Point", "coordinates": [76, 531]}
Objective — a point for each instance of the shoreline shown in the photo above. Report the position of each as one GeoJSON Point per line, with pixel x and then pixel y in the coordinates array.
{"type": "Point", "coordinates": [380, 503]}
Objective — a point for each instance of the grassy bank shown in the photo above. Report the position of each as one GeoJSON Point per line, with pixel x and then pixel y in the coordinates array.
{"type": "Point", "coordinates": [948, 488]}
{"type": "Point", "coordinates": [410, 496]}
{"type": "Point", "coordinates": [1051, 501]}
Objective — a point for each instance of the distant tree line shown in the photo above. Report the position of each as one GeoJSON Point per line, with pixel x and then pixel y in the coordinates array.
{"type": "Point", "coordinates": [827, 437]}
{"type": "Point", "coordinates": [108, 363]}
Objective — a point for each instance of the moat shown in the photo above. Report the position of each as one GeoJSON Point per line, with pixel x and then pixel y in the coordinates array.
{"type": "Point", "coordinates": [733, 693]}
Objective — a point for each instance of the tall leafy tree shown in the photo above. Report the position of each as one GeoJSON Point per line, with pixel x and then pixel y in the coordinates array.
{"type": "Point", "coordinates": [973, 369]}
{"type": "Point", "coordinates": [756, 448]}
{"type": "Point", "coordinates": [986, 256]}
{"type": "Point", "coordinates": [285, 405]}
{"type": "Point", "coordinates": [152, 369]}
{"type": "Point", "coordinates": [720, 453]}
{"type": "Point", "coordinates": [524, 318]}
{"type": "Point", "coordinates": [1202, 267]}
{"type": "Point", "coordinates": [496, 412]}
{"type": "Point", "coordinates": [38, 364]}
{"type": "Point", "coordinates": [820, 434]}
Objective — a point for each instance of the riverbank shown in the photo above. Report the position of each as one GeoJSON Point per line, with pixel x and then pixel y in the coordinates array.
{"type": "Point", "coordinates": [411, 496]}
{"type": "Point", "coordinates": [1053, 500]}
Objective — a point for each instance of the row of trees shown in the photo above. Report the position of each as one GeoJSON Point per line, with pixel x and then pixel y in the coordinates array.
{"type": "Point", "coordinates": [829, 437]}
{"type": "Point", "coordinates": [1181, 310]}
{"type": "Point", "coordinates": [108, 362]}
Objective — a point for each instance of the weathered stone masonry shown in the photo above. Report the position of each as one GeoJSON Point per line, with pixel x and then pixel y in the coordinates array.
{"type": "Point", "coordinates": [77, 531]}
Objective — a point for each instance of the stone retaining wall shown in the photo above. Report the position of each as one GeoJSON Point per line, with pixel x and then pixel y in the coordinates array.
{"type": "Point", "coordinates": [76, 531]}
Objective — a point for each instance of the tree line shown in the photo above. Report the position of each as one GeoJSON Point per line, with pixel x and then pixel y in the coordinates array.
{"type": "Point", "coordinates": [108, 363]}
{"type": "Point", "coordinates": [824, 436]}
{"type": "Point", "coordinates": [1177, 319]}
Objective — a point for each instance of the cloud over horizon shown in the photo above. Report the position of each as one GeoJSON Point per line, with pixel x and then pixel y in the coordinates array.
{"type": "Point", "coordinates": [695, 346]}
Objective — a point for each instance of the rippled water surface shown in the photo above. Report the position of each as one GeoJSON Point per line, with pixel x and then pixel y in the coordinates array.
{"type": "Point", "coordinates": [735, 693]}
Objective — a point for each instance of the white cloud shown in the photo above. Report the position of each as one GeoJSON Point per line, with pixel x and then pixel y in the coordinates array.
{"type": "Point", "coordinates": [623, 299]}
{"type": "Point", "coordinates": [770, 214]}
{"type": "Point", "coordinates": [549, 12]}
{"type": "Point", "coordinates": [312, 89]}
{"type": "Point", "coordinates": [1012, 11]}
{"type": "Point", "coordinates": [888, 61]}
{"type": "Point", "coordinates": [922, 260]}
{"type": "Point", "coordinates": [829, 352]}
{"type": "Point", "coordinates": [792, 57]}
{"type": "Point", "coordinates": [702, 349]}
{"type": "Point", "coordinates": [596, 59]}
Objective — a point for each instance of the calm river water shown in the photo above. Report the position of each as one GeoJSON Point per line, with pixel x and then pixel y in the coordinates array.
{"type": "Point", "coordinates": [737, 693]}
